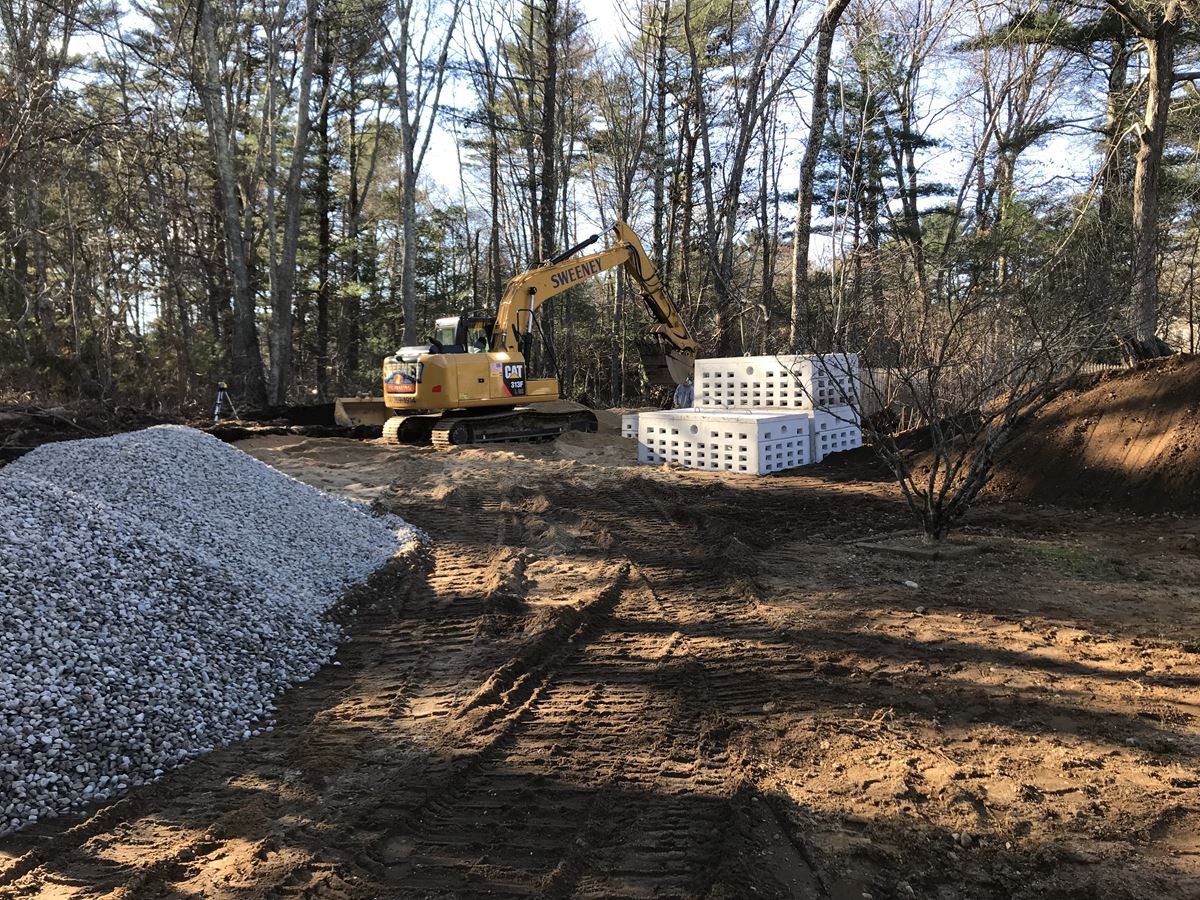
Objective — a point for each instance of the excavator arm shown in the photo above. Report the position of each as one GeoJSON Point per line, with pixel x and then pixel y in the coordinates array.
{"type": "Point", "coordinates": [672, 359]}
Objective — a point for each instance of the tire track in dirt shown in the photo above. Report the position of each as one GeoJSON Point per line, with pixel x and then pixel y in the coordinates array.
{"type": "Point", "coordinates": [616, 783]}
{"type": "Point", "coordinates": [699, 571]}
{"type": "Point", "coordinates": [464, 726]}
{"type": "Point", "coordinates": [688, 777]}
{"type": "Point", "coordinates": [540, 812]}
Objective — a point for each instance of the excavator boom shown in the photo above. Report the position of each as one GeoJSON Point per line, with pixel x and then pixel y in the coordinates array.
{"type": "Point", "coordinates": [670, 358]}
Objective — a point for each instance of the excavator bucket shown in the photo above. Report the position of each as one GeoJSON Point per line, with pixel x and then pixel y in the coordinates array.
{"type": "Point", "coordinates": [665, 368]}
{"type": "Point", "coordinates": [351, 411]}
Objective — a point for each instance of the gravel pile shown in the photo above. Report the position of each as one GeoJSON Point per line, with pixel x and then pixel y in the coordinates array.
{"type": "Point", "coordinates": [157, 590]}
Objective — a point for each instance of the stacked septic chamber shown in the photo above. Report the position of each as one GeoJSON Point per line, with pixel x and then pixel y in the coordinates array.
{"type": "Point", "coordinates": [756, 414]}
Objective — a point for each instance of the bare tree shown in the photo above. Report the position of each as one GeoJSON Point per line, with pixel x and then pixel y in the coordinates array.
{"type": "Point", "coordinates": [752, 89]}
{"type": "Point", "coordinates": [625, 111]}
{"type": "Point", "coordinates": [1112, 173]}
{"type": "Point", "coordinates": [966, 385]}
{"type": "Point", "coordinates": [808, 162]}
{"type": "Point", "coordinates": [660, 17]}
{"type": "Point", "coordinates": [246, 358]}
{"type": "Point", "coordinates": [283, 272]}
{"type": "Point", "coordinates": [484, 41]}
{"type": "Point", "coordinates": [962, 356]}
{"type": "Point", "coordinates": [1157, 26]}
{"type": "Point", "coordinates": [322, 189]}
{"type": "Point", "coordinates": [549, 150]}
{"type": "Point", "coordinates": [419, 49]}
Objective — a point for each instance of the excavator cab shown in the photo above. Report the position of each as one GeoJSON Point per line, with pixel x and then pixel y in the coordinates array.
{"type": "Point", "coordinates": [463, 334]}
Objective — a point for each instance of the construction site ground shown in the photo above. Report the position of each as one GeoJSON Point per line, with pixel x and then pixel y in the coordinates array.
{"type": "Point", "coordinates": [605, 680]}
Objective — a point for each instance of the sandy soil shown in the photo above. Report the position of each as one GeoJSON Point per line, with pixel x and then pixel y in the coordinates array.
{"type": "Point", "coordinates": [611, 681]}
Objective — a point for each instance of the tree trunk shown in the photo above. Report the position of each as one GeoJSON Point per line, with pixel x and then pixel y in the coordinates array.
{"type": "Point", "coordinates": [808, 164]}
{"type": "Point", "coordinates": [1143, 342]}
{"type": "Point", "coordinates": [408, 182]}
{"type": "Point", "coordinates": [495, 277]}
{"type": "Point", "coordinates": [1112, 174]}
{"type": "Point", "coordinates": [905, 172]}
{"type": "Point", "coordinates": [1006, 165]}
{"type": "Point", "coordinates": [177, 302]}
{"type": "Point", "coordinates": [408, 261]}
{"type": "Point", "coordinates": [701, 127]}
{"type": "Point", "coordinates": [359, 266]}
{"type": "Point", "coordinates": [419, 105]}
{"type": "Point", "coordinates": [764, 228]}
{"type": "Point", "coordinates": [617, 372]}
{"type": "Point", "coordinates": [660, 138]}
{"type": "Point", "coordinates": [285, 276]}
{"type": "Point", "coordinates": [39, 297]}
{"type": "Point", "coordinates": [216, 280]}
{"type": "Point", "coordinates": [248, 383]}
{"type": "Point", "coordinates": [549, 179]}
{"type": "Point", "coordinates": [565, 360]}
{"type": "Point", "coordinates": [686, 206]}
{"type": "Point", "coordinates": [324, 243]}
{"type": "Point", "coordinates": [874, 264]}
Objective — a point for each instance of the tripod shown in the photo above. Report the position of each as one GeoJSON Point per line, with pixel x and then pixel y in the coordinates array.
{"type": "Point", "coordinates": [224, 399]}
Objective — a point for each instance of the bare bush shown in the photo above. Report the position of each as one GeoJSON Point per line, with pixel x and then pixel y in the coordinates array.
{"type": "Point", "coordinates": [944, 386]}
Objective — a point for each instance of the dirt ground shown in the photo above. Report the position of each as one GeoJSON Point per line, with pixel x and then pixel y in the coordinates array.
{"type": "Point", "coordinates": [612, 681]}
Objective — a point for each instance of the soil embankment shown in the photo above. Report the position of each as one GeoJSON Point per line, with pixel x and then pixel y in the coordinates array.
{"type": "Point", "coordinates": [1122, 440]}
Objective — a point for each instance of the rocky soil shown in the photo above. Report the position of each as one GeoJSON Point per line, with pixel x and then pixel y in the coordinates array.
{"type": "Point", "coordinates": [157, 590]}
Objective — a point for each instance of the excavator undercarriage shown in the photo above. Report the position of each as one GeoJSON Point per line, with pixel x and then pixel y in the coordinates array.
{"type": "Point", "coordinates": [485, 426]}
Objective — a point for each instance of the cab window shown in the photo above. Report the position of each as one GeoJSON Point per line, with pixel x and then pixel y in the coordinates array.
{"type": "Point", "coordinates": [445, 332]}
{"type": "Point", "coordinates": [477, 337]}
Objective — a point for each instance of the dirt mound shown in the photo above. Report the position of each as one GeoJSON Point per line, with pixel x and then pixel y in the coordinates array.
{"type": "Point", "coordinates": [1121, 440]}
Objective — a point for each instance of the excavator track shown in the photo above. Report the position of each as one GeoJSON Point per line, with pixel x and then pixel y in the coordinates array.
{"type": "Point", "coordinates": [511, 425]}
{"type": "Point", "coordinates": [410, 429]}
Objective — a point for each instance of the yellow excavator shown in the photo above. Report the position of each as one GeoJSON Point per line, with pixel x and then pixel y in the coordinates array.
{"type": "Point", "coordinates": [469, 384]}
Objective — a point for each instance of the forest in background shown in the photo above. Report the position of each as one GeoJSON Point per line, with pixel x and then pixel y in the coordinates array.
{"type": "Point", "coordinates": [225, 190]}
